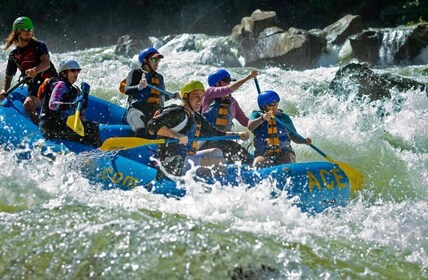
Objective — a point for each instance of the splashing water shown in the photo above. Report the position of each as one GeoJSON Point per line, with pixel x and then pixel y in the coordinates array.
{"type": "Point", "coordinates": [55, 223]}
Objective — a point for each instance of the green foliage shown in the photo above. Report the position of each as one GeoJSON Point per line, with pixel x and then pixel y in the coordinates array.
{"type": "Point", "coordinates": [420, 20]}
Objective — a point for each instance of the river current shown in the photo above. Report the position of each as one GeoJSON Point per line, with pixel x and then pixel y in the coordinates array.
{"type": "Point", "coordinates": [54, 224]}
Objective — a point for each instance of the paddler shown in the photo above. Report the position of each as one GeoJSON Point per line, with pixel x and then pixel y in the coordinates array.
{"type": "Point", "coordinates": [31, 57]}
{"type": "Point", "coordinates": [220, 108]}
{"type": "Point", "coordinates": [143, 100]}
{"type": "Point", "coordinates": [183, 122]}
{"type": "Point", "coordinates": [272, 142]}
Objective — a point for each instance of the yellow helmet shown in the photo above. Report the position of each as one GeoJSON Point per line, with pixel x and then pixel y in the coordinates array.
{"type": "Point", "coordinates": [191, 86]}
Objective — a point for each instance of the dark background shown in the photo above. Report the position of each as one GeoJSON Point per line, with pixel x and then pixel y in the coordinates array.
{"type": "Point", "coordinates": [70, 25]}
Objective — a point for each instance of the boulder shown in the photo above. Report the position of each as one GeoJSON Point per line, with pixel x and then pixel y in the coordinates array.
{"type": "Point", "coordinates": [295, 48]}
{"type": "Point", "coordinates": [357, 77]}
{"type": "Point", "coordinates": [392, 46]}
{"type": "Point", "coordinates": [129, 45]}
{"type": "Point", "coordinates": [338, 32]}
{"type": "Point", "coordinates": [253, 25]}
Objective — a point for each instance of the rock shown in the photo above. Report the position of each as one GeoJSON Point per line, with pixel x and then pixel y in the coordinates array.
{"type": "Point", "coordinates": [357, 77]}
{"type": "Point", "coordinates": [296, 48]}
{"type": "Point", "coordinates": [338, 32]}
{"type": "Point", "coordinates": [392, 46]}
{"type": "Point", "coordinates": [128, 45]}
{"type": "Point", "coordinates": [253, 25]}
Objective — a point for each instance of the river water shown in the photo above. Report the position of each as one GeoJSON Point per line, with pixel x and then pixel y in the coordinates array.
{"type": "Point", "coordinates": [54, 224]}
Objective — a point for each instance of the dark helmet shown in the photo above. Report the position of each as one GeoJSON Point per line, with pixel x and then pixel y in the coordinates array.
{"type": "Point", "coordinates": [217, 76]}
{"type": "Point", "coordinates": [267, 97]}
{"type": "Point", "coordinates": [149, 52]}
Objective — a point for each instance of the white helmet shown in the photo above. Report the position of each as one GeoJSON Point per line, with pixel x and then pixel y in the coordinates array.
{"type": "Point", "coordinates": [67, 65]}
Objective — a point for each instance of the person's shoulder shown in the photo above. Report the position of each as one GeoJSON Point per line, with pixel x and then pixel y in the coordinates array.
{"type": "Point", "coordinates": [174, 108]}
{"type": "Point", "coordinates": [138, 70]}
{"type": "Point", "coordinates": [284, 115]}
{"type": "Point", "coordinates": [159, 75]}
{"type": "Point", "coordinates": [38, 42]}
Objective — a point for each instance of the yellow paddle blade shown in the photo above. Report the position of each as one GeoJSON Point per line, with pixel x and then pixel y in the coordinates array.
{"type": "Point", "coordinates": [75, 123]}
{"type": "Point", "coordinates": [356, 178]}
{"type": "Point", "coordinates": [123, 143]}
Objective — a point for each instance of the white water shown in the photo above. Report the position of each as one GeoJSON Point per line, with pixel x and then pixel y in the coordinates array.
{"type": "Point", "coordinates": [392, 151]}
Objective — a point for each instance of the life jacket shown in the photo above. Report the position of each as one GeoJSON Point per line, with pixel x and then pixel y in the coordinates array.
{"type": "Point", "coordinates": [188, 126]}
{"type": "Point", "coordinates": [53, 118]}
{"type": "Point", "coordinates": [43, 89]}
{"type": "Point", "coordinates": [219, 114]}
{"type": "Point", "coordinates": [273, 147]}
{"type": "Point", "coordinates": [270, 139]}
{"type": "Point", "coordinates": [153, 96]}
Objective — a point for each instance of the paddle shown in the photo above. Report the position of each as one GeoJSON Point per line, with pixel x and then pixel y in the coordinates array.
{"type": "Point", "coordinates": [170, 94]}
{"type": "Point", "coordinates": [25, 79]}
{"type": "Point", "coordinates": [355, 177]}
{"type": "Point", "coordinates": [123, 143]}
{"type": "Point", "coordinates": [74, 121]}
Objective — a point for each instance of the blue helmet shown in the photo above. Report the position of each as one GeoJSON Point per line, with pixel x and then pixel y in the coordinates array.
{"type": "Point", "coordinates": [149, 52]}
{"type": "Point", "coordinates": [217, 76]}
{"type": "Point", "coordinates": [267, 97]}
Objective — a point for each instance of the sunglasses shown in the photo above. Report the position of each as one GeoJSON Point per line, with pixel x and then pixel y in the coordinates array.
{"type": "Point", "coordinates": [27, 29]}
{"type": "Point", "coordinates": [155, 59]}
{"type": "Point", "coordinates": [74, 70]}
{"type": "Point", "coordinates": [272, 104]}
{"type": "Point", "coordinates": [226, 80]}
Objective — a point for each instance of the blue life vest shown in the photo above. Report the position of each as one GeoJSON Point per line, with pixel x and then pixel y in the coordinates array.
{"type": "Point", "coordinates": [219, 115]}
{"type": "Point", "coordinates": [263, 140]}
{"type": "Point", "coordinates": [148, 94]}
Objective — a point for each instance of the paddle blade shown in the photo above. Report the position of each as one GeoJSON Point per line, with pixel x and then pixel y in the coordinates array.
{"type": "Point", "coordinates": [76, 124]}
{"type": "Point", "coordinates": [356, 178]}
{"type": "Point", "coordinates": [123, 143]}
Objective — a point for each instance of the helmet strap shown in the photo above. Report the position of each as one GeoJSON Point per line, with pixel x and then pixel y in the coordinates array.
{"type": "Point", "coordinates": [145, 62]}
{"type": "Point", "coordinates": [188, 103]}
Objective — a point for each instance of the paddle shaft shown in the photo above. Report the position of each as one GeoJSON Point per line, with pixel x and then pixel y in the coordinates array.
{"type": "Point", "coordinates": [162, 90]}
{"type": "Point", "coordinates": [123, 143]}
{"type": "Point", "coordinates": [16, 86]}
{"type": "Point", "coordinates": [207, 138]}
{"type": "Point", "coordinates": [77, 119]}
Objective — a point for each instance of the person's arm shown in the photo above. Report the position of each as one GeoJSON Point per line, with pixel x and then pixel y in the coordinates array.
{"type": "Point", "coordinates": [169, 117]}
{"type": "Point", "coordinates": [42, 53]}
{"type": "Point", "coordinates": [213, 93]}
{"type": "Point", "coordinates": [166, 132]}
{"type": "Point", "coordinates": [45, 64]}
{"type": "Point", "coordinates": [239, 83]}
{"type": "Point", "coordinates": [11, 69]}
{"type": "Point", "coordinates": [55, 101]}
{"type": "Point", "coordinates": [6, 86]}
{"type": "Point", "coordinates": [239, 114]}
{"type": "Point", "coordinates": [257, 119]}
{"type": "Point", "coordinates": [135, 82]}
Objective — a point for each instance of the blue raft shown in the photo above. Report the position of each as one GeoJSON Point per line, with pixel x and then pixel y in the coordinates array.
{"type": "Point", "coordinates": [318, 185]}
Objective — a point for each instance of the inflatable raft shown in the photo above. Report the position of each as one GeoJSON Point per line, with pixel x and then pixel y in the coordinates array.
{"type": "Point", "coordinates": [318, 185]}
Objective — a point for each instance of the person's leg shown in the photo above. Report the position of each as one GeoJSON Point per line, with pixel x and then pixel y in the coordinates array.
{"type": "Point", "coordinates": [207, 160]}
{"type": "Point", "coordinates": [92, 134]}
{"type": "Point", "coordinates": [286, 157]}
{"type": "Point", "coordinates": [31, 104]}
{"type": "Point", "coordinates": [135, 119]}
{"type": "Point", "coordinates": [232, 151]}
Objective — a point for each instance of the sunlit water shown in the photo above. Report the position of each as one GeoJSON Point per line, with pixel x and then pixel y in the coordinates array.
{"type": "Point", "coordinates": [56, 225]}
